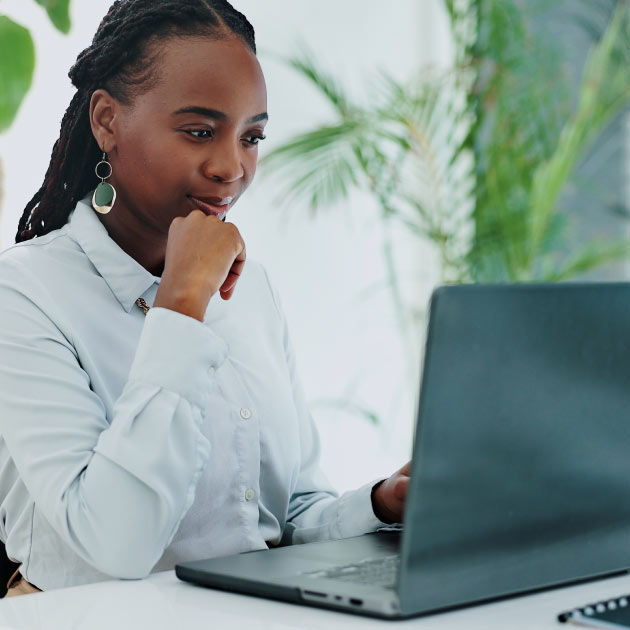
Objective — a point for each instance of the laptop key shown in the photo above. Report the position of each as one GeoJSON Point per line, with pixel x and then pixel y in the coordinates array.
{"type": "Point", "coordinates": [375, 571]}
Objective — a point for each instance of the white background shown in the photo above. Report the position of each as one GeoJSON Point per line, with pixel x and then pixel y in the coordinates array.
{"type": "Point", "coordinates": [329, 269]}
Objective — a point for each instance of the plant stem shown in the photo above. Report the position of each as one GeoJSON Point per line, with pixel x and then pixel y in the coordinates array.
{"type": "Point", "coordinates": [409, 341]}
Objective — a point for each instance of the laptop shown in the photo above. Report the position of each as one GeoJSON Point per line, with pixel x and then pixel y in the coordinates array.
{"type": "Point", "coordinates": [521, 464]}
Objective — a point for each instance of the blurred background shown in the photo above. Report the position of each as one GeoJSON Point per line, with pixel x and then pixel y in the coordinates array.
{"type": "Point", "coordinates": [435, 141]}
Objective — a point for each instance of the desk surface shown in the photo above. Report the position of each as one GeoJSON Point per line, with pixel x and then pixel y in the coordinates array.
{"type": "Point", "coordinates": [162, 602]}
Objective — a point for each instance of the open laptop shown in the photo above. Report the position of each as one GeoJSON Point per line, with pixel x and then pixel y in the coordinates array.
{"type": "Point", "coordinates": [521, 464]}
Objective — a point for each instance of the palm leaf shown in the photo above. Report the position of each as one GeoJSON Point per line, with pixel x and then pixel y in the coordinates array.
{"type": "Point", "coordinates": [325, 83]}
{"type": "Point", "coordinates": [592, 256]}
{"type": "Point", "coordinates": [592, 114]}
{"type": "Point", "coordinates": [320, 165]}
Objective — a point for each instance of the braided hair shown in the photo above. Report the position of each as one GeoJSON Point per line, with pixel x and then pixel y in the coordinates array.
{"type": "Point", "coordinates": [119, 61]}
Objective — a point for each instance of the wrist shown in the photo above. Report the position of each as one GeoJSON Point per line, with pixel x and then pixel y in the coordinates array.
{"type": "Point", "coordinates": [183, 304]}
{"type": "Point", "coordinates": [378, 507]}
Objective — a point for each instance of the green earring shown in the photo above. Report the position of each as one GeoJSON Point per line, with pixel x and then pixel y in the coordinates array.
{"type": "Point", "coordinates": [104, 196]}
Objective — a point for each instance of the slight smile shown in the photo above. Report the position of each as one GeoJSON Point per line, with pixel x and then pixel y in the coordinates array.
{"type": "Point", "coordinates": [216, 206]}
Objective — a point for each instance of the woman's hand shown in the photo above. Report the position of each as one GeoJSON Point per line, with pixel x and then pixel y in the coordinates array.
{"type": "Point", "coordinates": [203, 256]}
{"type": "Point", "coordinates": [388, 500]}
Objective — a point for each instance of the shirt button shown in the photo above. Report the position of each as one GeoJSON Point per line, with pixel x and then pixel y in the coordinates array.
{"type": "Point", "coordinates": [246, 413]}
{"type": "Point", "coordinates": [211, 372]}
{"type": "Point", "coordinates": [249, 494]}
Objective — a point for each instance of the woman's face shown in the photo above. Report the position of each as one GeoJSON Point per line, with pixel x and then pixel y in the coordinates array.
{"type": "Point", "coordinates": [192, 137]}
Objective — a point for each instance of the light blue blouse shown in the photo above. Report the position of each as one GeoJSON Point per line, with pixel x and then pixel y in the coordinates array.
{"type": "Point", "coordinates": [130, 442]}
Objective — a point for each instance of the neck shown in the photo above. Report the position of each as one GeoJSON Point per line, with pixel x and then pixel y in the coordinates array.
{"type": "Point", "coordinates": [136, 236]}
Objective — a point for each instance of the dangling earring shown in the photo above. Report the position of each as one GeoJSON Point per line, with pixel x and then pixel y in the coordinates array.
{"type": "Point", "coordinates": [104, 196]}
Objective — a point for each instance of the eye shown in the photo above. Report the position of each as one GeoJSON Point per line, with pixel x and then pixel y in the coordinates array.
{"type": "Point", "coordinates": [204, 134]}
{"type": "Point", "coordinates": [254, 139]}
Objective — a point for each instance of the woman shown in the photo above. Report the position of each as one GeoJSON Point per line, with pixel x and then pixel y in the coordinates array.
{"type": "Point", "coordinates": [143, 420]}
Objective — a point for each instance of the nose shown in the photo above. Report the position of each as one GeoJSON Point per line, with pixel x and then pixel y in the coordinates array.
{"type": "Point", "coordinates": [224, 163]}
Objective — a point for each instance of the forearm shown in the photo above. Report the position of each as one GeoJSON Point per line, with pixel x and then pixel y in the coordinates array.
{"type": "Point", "coordinates": [325, 517]}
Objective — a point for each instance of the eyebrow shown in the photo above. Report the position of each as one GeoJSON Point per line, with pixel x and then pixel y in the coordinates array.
{"type": "Point", "coordinates": [215, 114]}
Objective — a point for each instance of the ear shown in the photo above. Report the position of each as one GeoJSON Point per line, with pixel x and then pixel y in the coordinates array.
{"type": "Point", "coordinates": [104, 113]}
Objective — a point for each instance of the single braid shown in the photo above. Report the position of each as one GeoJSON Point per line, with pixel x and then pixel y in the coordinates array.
{"type": "Point", "coordinates": [118, 60]}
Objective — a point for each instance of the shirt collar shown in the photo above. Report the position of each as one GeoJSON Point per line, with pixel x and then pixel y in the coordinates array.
{"type": "Point", "coordinates": [126, 278]}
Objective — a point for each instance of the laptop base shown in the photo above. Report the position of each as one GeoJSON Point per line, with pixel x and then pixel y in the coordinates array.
{"type": "Point", "coordinates": [280, 574]}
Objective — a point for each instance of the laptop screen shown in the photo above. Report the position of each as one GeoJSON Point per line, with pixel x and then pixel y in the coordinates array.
{"type": "Point", "coordinates": [521, 474]}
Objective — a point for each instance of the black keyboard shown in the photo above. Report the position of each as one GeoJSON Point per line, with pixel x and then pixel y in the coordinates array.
{"type": "Point", "coordinates": [376, 571]}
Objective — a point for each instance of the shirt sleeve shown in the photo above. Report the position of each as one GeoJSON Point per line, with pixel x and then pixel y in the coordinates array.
{"type": "Point", "coordinates": [316, 511]}
{"type": "Point", "coordinates": [114, 488]}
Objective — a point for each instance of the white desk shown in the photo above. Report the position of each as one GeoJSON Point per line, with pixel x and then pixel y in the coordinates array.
{"type": "Point", "coordinates": [162, 602]}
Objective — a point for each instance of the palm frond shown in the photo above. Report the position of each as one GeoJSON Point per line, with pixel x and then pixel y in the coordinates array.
{"type": "Point", "coordinates": [593, 112]}
{"type": "Point", "coordinates": [306, 66]}
{"type": "Point", "coordinates": [320, 165]}
{"type": "Point", "coordinates": [493, 140]}
{"type": "Point", "coordinates": [592, 256]}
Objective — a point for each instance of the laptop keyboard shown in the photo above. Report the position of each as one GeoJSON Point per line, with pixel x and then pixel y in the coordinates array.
{"type": "Point", "coordinates": [376, 571]}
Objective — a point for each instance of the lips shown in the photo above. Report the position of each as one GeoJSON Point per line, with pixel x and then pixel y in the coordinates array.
{"type": "Point", "coordinates": [217, 206]}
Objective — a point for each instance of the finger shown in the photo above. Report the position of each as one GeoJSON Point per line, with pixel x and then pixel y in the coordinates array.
{"type": "Point", "coordinates": [239, 263]}
{"type": "Point", "coordinates": [227, 289]}
{"type": "Point", "coordinates": [229, 282]}
{"type": "Point", "coordinates": [227, 294]}
{"type": "Point", "coordinates": [406, 469]}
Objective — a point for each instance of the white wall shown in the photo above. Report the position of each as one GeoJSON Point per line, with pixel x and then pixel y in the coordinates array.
{"type": "Point", "coordinates": [347, 344]}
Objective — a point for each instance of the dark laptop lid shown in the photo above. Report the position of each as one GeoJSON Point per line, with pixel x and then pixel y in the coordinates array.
{"type": "Point", "coordinates": [521, 474]}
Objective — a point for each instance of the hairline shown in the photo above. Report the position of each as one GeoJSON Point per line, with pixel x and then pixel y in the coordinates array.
{"type": "Point", "coordinates": [126, 91]}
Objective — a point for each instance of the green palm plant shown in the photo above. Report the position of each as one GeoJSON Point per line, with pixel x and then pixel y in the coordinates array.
{"type": "Point", "coordinates": [399, 150]}
{"type": "Point", "coordinates": [471, 161]}
{"type": "Point", "coordinates": [527, 140]}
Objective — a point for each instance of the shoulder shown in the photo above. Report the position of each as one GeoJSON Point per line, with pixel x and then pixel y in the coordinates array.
{"type": "Point", "coordinates": [42, 257]}
{"type": "Point", "coordinates": [38, 276]}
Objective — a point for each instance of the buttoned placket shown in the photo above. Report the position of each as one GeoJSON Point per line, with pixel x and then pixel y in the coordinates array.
{"type": "Point", "coordinates": [247, 440]}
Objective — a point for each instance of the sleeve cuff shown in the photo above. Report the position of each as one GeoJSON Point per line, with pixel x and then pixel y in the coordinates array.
{"type": "Point", "coordinates": [176, 352]}
{"type": "Point", "coordinates": [356, 516]}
